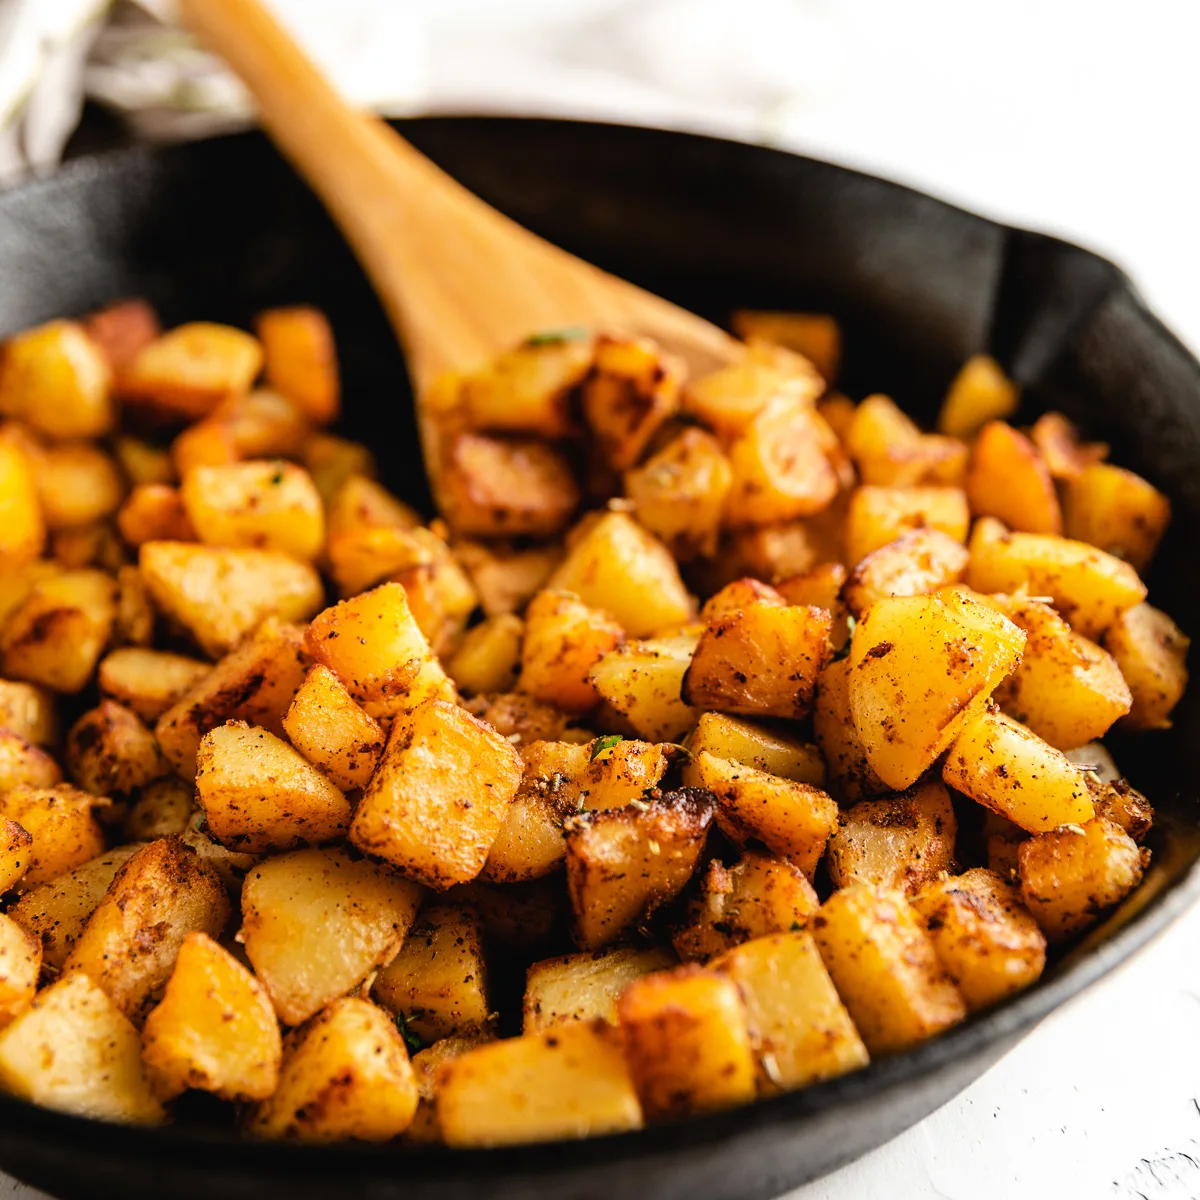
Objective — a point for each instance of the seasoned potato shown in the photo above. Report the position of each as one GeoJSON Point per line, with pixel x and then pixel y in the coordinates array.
{"type": "Point", "coordinates": [757, 746]}
{"type": "Point", "coordinates": [820, 587]}
{"type": "Point", "coordinates": [316, 923]}
{"type": "Point", "coordinates": [889, 450]}
{"type": "Point", "coordinates": [332, 460]}
{"type": "Point", "coordinates": [214, 1028]}
{"type": "Point", "coordinates": [142, 462]}
{"type": "Point", "coordinates": [525, 920]}
{"type": "Point", "coordinates": [916, 563]}
{"type": "Point", "coordinates": [108, 750]}
{"type": "Point", "coordinates": [299, 359]}
{"type": "Point", "coordinates": [1123, 805]}
{"type": "Point", "coordinates": [61, 820]}
{"type": "Point", "coordinates": [489, 655]}
{"type": "Point", "coordinates": [361, 503]}
{"type": "Point", "coordinates": [15, 855]}
{"type": "Point", "coordinates": [816, 336]}
{"type": "Point", "coordinates": [149, 681]}
{"type": "Point", "coordinates": [885, 968]}
{"type": "Point", "coordinates": [154, 512]}
{"type": "Point", "coordinates": [505, 578]}
{"type": "Point", "coordinates": [1065, 455]}
{"type": "Point", "coordinates": [877, 516]}
{"type": "Point", "coordinates": [163, 808]}
{"type": "Point", "coordinates": [850, 773]}
{"type": "Point", "coordinates": [777, 552]}
{"type": "Point", "coordinates": [1009, 480]}
{"type": "Point", "coordinates": [728, 400]}
{"type": "Point", "coordinates": [642, 680]}
{"type": "Point", "coordinates": [22, 526]}
{"type": "Point", "coordinates": [332, 731]}
{"type": "Point", "coordinates": [258, 424]}
{"type": "Point", "coordinates": [134, 625]}
{"type": "Point", "coordinates": [20, 965]}
{"type": "Point", "coordinates": [979, 393]}
{"type": "Point", "coordinates": [522, 719]}
{"type": "Point", "coordinates": [25, 765]}
{"type": "Point", "coordinates": [616, 772]}
{"type": "Point", "coordinates": [1118, 511]}
{"type": "Point", "coordinates": [77, 483]}
{"type": "Point", "coordinates": [984, 936]}
{"type": "Point", "coordinates": [1151, 651]}
{"type": "Point", "coordinates": [1070, 875]}
{"type": "Point", "coordinates": [425, 1129]}
{"type": "Point", "coordinates": [345, 1074]}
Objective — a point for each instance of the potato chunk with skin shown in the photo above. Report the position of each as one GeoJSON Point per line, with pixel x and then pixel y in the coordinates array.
{"type": "Point", "coordinates": [920, 668]}
{"type": "Point", "coordinates": [979, 393]}
{"type": "Point", "coordinates": [24, 765]}
{"type": "Point", "coordinates": [916, 563]}
{"type": "Point", "coordinates": [900, 842]}
{"type": "Point", "coordinates": [757, 746]}
{"type": "Point", "coordinates": [1151, 651]}
{"type": "Point", "coordinates": [15, 854]}
{"type": "Point", "coordinates": [1007, 768]}
{"type": "Point", "coordinates": [567, 1082]}
{"type": "Point", "coordinates": [1118, 511]}
{"type": "Point", "coordinates": [489, 655]}
{"type": "Point", "coordinates": [345, 1074]}
{"type": "Point", "coordinates": [122, 328]}
{"type": "Point", "coordinates": [332, 731]}
{"type": "Point", "coordinates": [642, 680]}
{"type": "Point", "coordinates": [162, 808]}
{"type": "Point", "coordinates": [439, 797]}
{"type": "Point", "coordinates": [149, 681]}
{"type": "Point", "coordinates": [62, 823]}
{"type": "Point", "coordinates": [885, 968]}
{"type": "Point", "coordinates": [686, 1042]}
{"type": "Point", "coordinates": [564, 639]}
{"type": "Point", "coordinates": [214, 1028]}
{"type": "Point", "coordinates": [816, 336]}
{"type": "Point", "coordinates": [1058, 440]}
{"type": "Point", "coordinates": [1123, 805]}
{"type": "Point", "coordinates": [850, 773]}
{"type": "Point", "coordinates": [616, 772]}
{"type": "Point", "coordinates": [109, 751]}
{"type": "Point", "coordinates": [736, 595]}
{"type": "Point", "coordinates": [259, 794]}
{"type": "Point", "coordinates": [219, 595]}
{"type": "Point", "coordinates": [1008, 480]}
{"type": "Point", "coordinates": [72, 1050]}
{"type": "Point", "coordinates": [877, 516]}
{"type": "Point", "coordinates": [300, 360]}
{"type": "Point", "coordinates": [1069, 876]}
{"type": "Point", "coordinates": [20, 965]}
{"type": "Point", "coordinates": [985, 937]}
{"type": "Point", "coordinates": [316, 923]}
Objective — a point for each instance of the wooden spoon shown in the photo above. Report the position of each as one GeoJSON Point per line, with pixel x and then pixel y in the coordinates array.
{"type": "Point", "coordinates": [459, 280]}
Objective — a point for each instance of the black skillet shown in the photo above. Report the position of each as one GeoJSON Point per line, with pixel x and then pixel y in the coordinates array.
{"type": "Point", "coordinates": [223, 229]}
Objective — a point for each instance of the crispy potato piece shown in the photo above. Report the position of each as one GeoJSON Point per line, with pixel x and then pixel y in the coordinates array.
{"type": "Point", "coordinates": [1123, 805]}
{"type": "Point", "coordinates": [259, 794]}
{"type": "Point", "coordinates": [122, 328]}
{"type": "Point", "coordinates": [366, 555]}
{"type": "Point", "coordinates": [62, 823]}
{"type": "Point", "coordinates": [901, 842]}
{"type": "Point", "coordinates": [985, 938]}
{"type": "Point", "coordinates": [686, 1042]}
{"type": "Point", "coordinates": [300, 360]}
{"type": "Point", "coordinates": [850, 773]}
{"type": "Point", "coordinates": [1069, 876]}
{"type": "Point", "coordinates": [570, 1081]}
{"type": "Point", "coordinates": [1151, 651]}
{"type": "Point", "coordinates": [979, 393]}
{"type": "Point", "coordinates": [440, 595]}
{"type": "Point", "coordinates": [74, 1051]}
{"type": "Point", "coordinates": [77, 483]}
{"type": "Point", "coordinates": [149, 681]}
{"type": "Point", "coordinates": [1002, 840]}
{"type": "Point", "coordinates": [816, 336]}
{"type": "Point", "coordinates": [154, 512]}
{"type": "Point", "coordinates": [1118, 511]}
{"type": "Point", "coordinates": [134, 625]}
{"type": "Point", "coordinates": [504, 578]}
{"type": "Point", "coordinates": [885, 968]}
{"type": "Point", "coordinates": [219, 595]}
{"type": "Point", "coordinates": [879, 515]}
{"type": "Point", "coordinates": [821, 588]}
{"type": "Point", "coordinates": [316, 923]}
{"type": "Point", "coordinates": [616, 772]}
{"type": "Point", "coordinates": [29, 712]}
{"type": "Point", "coordinates": [728, 400]}
{"type": "Point", "coordinates": [345, 1074]}
{"type": "Point", "coordinates": [109, 751]}
{"type": "Point", "coordinates": [1058, 440]}
{"type": "Point", "coordinates": [1009, 480]}
{"type": "Point", "coordinates": [642, 680]}
{"type": "Point", "coordinates": [24, 765]}
{"type": "Point", "coordinates": [776, 552]}
{"type": "Point", "coordinates": [889, 449]}
{"type": "Point", "coordinates": [361, 503]}
{"type": "Point", "coordinates": [22, 526]}
{"type": "Point", "coordinates": [425, 1128]}
{"type": "Point", "coordinates": [522, 719]}
{"type": "Point", "coordinates": [331, 460]}
{"type": "Point", "coordinates": [1007, 768]}
{"type": "Point", "coordinates": [920, 668]}
{"type": "Point", "coordinates": [739, 594]}
{"type": "Point", "coordinates": [439, 797]}
{"type": "Point", "coordinates": [332, 731]}
{"type": "Point", "coordinates": [163, 808]}
{"type": "Point", "coordinates": [258, 424]}
{"type": "Point", "coordinates": [524, 920]}
{"type": "Point", "coordinates": [20, 965]}
{"type": "Point", "coordinates": [96, 544]}
{"type": "Point", "coordinates": [757, 746]}
{"type": "Point", "coordinates": [489, 655]}
{"type": "Point", "coordinates": [624, 863]}
{"type": "Point", "coordinates": [214, 1028]}
{"type": "Point", "coordinates": [916, 563]}
{"type": "Point", "coordinates": [15, 854]}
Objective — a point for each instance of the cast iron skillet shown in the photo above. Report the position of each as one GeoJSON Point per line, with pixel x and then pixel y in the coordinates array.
{"type": "Point", "coordinates": [222, 229]}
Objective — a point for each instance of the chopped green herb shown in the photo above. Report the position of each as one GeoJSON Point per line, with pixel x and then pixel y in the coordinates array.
{"type": "Point", "coordinates": [555, 337]}
{"type": "Point", "coordinates": [277, 478]}
{"type": "Point", "coordinates": [602, 746]}
{"type": "Point", "coordinates": [796, 927]}
{"type": "Point", "coordinates": [414, 1042]}
{"type": "Point", "coordinates": [845, 650]}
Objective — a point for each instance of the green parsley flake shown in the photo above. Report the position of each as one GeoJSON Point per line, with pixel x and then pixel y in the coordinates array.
{"type": "Point", "coordinates": [602, 747]}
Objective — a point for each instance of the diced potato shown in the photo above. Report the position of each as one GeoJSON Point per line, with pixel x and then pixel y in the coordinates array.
{"type": "Point", "coordinates": [29, 712]}
{"type": "Point", "coordinates": [616, 772]}
{"type": "Point", "coordinates": [1151, 651]}
{"type": "Point", "coordinates": [440, 595]}
{"type": "Point", "coordinates": [299, 359]}
{"type": "Point", "coordinates": [72, 1050]}
{"type": "Point", "coordinates": [1088, 587]}
{"type": "Point", "coordinates": [524, 920]}
{"type": "Point", "coordinates": [889, 450]}
{"type": "Point", "coordinates": [800, 1030]}
{"type": "Point", "coordinates": [901, 842]}
{"type": "Point", "coordinates": [506, 579]}
{"type": "Point", "coordinates": [686, 1042]}
{"type": "Point", "coordinates": [207, 443]}
{"type": "Point", "coordinates": [984, 936]}
{"type": "Point", "coordinates": [1118, 511]}
{"type": "Point", "coordinates": [728, 400]}
{"type": "Point", "coordinates": [135, 620]}
{"type": "Point", "coordinates": [77, 483]}
{"type": "Point", "coordinates": [61, 820]}
{"type": "Point", "coordinates": [154, 512]}
{"type": "Point", "coordinates": [916, 563]}
{"type": "Point", "coordinates": [25, 765]}
{"type": "Point", "coordinates": [619, 568]}
{"type": "Point", "coordinates": [219, 595]}
{"type": "Point", "coordinates": [879, 515]}
{"type": "Point", "coordinates": [22, 526]}
{"type": "Point", "coordinates": [96, 544]}
{"type": "Point", "coordinates": [850, 773]}
{"type": "Point", "coordinates": [570, 1081]}
{"type": "Point", "coordinates": [762, 660]}
{"type": "Point", "coordinates": [522, 719]}
{"type": "Point", "coordinates": [332, 460]}
{"type": "Point", "coordinates": [439, 797]}
{"type": "Point", "coordinates": [979, 393]}
{"type": "Point", "coordinates": [20, 965]}
{"type": "Point", "coordinates": [121, 329]}
{"type": "Point", "coordinates": [1005, 767]}
{"type": "Point", "coordinates": [757, 746]}
{"type": "Point", "coordinates": [921, 667]}
{"type": "Point", "coordinates": [109, 750]}
{"type": "Point", "coordinates": [316, 923]}
{"type": "Point", "coordinates": [425, 1129]}
{"type": "Point", "coordinates": [258, 424]}
{"type": "Point", "coordinates": [624, 863]}
{"type": "Point", "coordinates": [15, 855]}
{"type": "Point", "coordinates": [332, 731]}
{"type": "Point", "coordinates": [1009, 480]}
{"type": "Point", "coordinates": [259, 794]}
{"type": "Point", "coordinates": [1058, 440]}
{"type": "Point", "coordinates": [163, 808]}
{"type": "Point", "coordinates": [777, 552]}
{"type": "Point", "coordinates": [643, 680]}
{"type": "Point", "coordinates": [489, 655]}
{"type": "Point", "coordinates": [214, 1029]}
{"type": "Point", "coordinates": [149, 681]}
{"type": "Point", "coordinates": [1069, 876]}
{"type": "Point", "coordinates": [361, 503]}
{"type": "Point", "coordinates": [736, 595]}
{"type": "Point", "coordinates": [1123, 805]}
{"type": "Point", "coordinates": [164, 887]}
{"type": "Point", "coordinates": [885, 968]}
{"type": "Point", "coordinates": [814, 335]}
{"type": "Point", "coordinates": [345, 1075]}
{"type": "Point", "coordinates": [821, 588]}
{"type": "Point", "coordinates": [1002, 840]}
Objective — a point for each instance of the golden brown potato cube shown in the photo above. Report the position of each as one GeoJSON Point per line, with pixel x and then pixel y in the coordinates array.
{"type": "Point", "coordinates": [916, 563]}
{"type": "Point", "coordinates": [163, 888]}
{"type": "Point", "coordinates": [730, 398]}
{"type": "Point", "coordinates": [20, 966]}
{"type": "Point", "coordinates": [300, 359]}
{"type": "Point", "coordinates": [109, 751]}
{"type": "Point", "coordinates": [425, 1128]}
{"type": "Point", "coordinates": [74, 1051]}
{"type": "Point", "coordinates": [850, 773]}
{"type": "Point", "coordinates": [679, 493]}
{"type": "Point", "coordinates": [1069, 876]}
{"type": "Point", "coordinates": [186, 372]}
{"type": "Point", "coordinates": [821, 588]}
{"type": "Point", "coordinates": [77, 483]}
{"type": "Point", "coordinates": [163, 808]}
{"type": "Point", "coordinates": [332, 460]}
{"type": "Point", "coordinates": [1009, 480]}
{"type": "Point", "coordinates": [619, 568]}
{"type": "Point", "coordinates": [15, 854]}
{"type": "Point", "coordinates": [1123, 805]}
{"type": "Point", "coordinates": [879, 515]}
{"type": "Point", "coordinates": [979, 393]}
{"type": "Point", "coordinates": [642, 680]}
{"type": "Point", "coordinates": [984, 936]}
{"type": "Point", "coordinates": [59, 381]}
{"type": "Point", "coordinates": [214, 1028]}
{"type": "Point", "coordinates": [686, 1042]}
{"type": "Point", "coordinates": [889, 449]}
{"type": "Point", "coordinates": [316, 923]}
{"type": "Point", "coordinates": [207, 443]}
{"type": "Point", "coordinates": [504, 578]}
{"type": "Point", "coordinates": [738, 594]}
{"type": "Point", "coordinates": [1151, 651]}
{"type": "Point", "coordinates": [758, 895]}
{"type": "Point", "coordinates": [885, 968]}
{"type": "Point", "coordinates": [624, 863]}
{"type": "Point", "coordinates": [438, 980]}
{"type": "Point", "coordinates": [219, 595]}
{"type": "Point", "coordinates": [361, 503]}
{"type": "Point", "coordinates": [616, 772]}
{"type": "Point", "coordinates": [757, 746]}
{"type": "Point", "coordinates": [153, 512]}
{"type": "Point", "coordinates": [1009, 769]}
{"type": "Point", "coordinates": [345, 1074]}
{"type": "Point", "coordinates": [762, 660]}
{"type": "Point", "coordinates": [489, 655]}
{"type": "Point", "coordinates": [1118, 511]}
{"type": "Point", "coordinates": [816, 336]}
{"type": "Point", "coordinates": [793, 820]}
{"type": "Point", "coordinates": [1065, 455]}
{"type": "Point", "coordinates": [361, 557]}
{"type": "Point", "coordinates": [586, 986]}
{"type": "Point", "coordinates": [525, 920]}
{"type": "Point", "coordinates": [23, 764]}
{"type": "Point", "coordinates": [122, 328]}
{"type": "Point", "coordinates": [522, 720]}
{"type": "Point", "coordinates": [258, 424]}
{"type": "Point", "coordinates": [900, 842]}
{"type": "Point", "coordinates": [776, 552]}
{"type": "Point", "coordinates": [62, 823]}
{"type": "Point", "coordinates": [920, 668]}
{"type": "Point", "coordinates": [439, 796]}
{"type": "Point", "coordinates": [96, 544]}
{"type": "Point", "coordinates": [22, 526]}
{"type": "Point", "coordinates": [440, 595]}
{"type": "Point", "coordinates": [259, 794]}
{"type": "Point", "coordinates": [56, 636]}
{"type": "Point", "coordinates": [799, 1028]}
{"type": "Point", "coordinates": [332, 731]}
{"type": "Point", "coordinates": [135, 614]}
{"type": "Point", "coordinates": [149, 681]}
{"type": "Point", "coordinates": [1088, 587]}
{"type": "Point", "coordinates": [570, 1081]}
{"type": "Point", "coordinates": [29, 712]}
